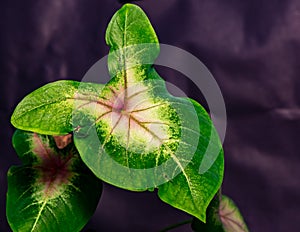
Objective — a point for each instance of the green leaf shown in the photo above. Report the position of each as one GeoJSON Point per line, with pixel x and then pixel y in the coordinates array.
{"type": "Point", "coordinates": [139, 136]}
{"type": "Point", "coordinates": [48, 110]}
{"type": "Point", "coordinates": [223, 216]}
{"type": "Point", "coordinates": [53, 190]}
{"type": "Point", "coordinates": [131, 132]}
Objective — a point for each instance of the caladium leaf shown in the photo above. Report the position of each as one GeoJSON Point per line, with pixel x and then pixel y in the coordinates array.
{"type": "Point", "coordinates": [131, 132]}
{"type": "Point", "coordinates": [224, 216]}
{"type": "Point", "coordinates": [142, 136]}
{"type": "Point", "coordinates": [231, 217]}
{"type": "Point", "coordinates": [53, 190]}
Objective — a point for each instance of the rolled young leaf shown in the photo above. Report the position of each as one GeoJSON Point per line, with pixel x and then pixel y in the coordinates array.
{"type": "Point", "coordinates": [223, 216]}
{"type": "Point", "coordinates": [231, 217]}
{"type": "Point", "coordinates": [53, 190]}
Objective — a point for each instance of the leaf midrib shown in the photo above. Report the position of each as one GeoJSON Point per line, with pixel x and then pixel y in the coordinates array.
{"type": "Point", "coordinates": [58, 102]}
{"type": "Point", "coordinates": [39, 214]}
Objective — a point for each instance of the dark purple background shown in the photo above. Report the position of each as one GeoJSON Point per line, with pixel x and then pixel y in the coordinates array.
{"type": "Point", "coordinates": [251, 47]}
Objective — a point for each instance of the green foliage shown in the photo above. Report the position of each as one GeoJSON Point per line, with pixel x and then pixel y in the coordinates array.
{"type": "Point", "coordinates": [130, 133]}
{"type": "Point", "coordinates": [52, 190]}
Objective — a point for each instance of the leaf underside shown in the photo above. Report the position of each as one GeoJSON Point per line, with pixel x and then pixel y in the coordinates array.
{"type": "Point", "coordinates": [131, 132]}
{"type": "Point", "coordinates": [52, 190]}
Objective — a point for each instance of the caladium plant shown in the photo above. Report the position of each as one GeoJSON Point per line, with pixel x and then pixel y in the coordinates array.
{"type": "Point", "coordinates": [130, 132]}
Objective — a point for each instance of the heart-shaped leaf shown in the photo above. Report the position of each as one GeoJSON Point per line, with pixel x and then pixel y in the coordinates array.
{"type": "Point", "coordinates": [131, 132]}
{"type": "Point", "coordinates": [53, 190]}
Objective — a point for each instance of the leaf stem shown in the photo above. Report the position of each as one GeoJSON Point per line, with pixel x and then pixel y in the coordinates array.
{"type": "Point", "coordinates": [177, 225]}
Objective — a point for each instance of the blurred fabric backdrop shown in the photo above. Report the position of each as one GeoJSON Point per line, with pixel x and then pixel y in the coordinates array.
{"type": "Point", "coordinates": [252, 48]}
